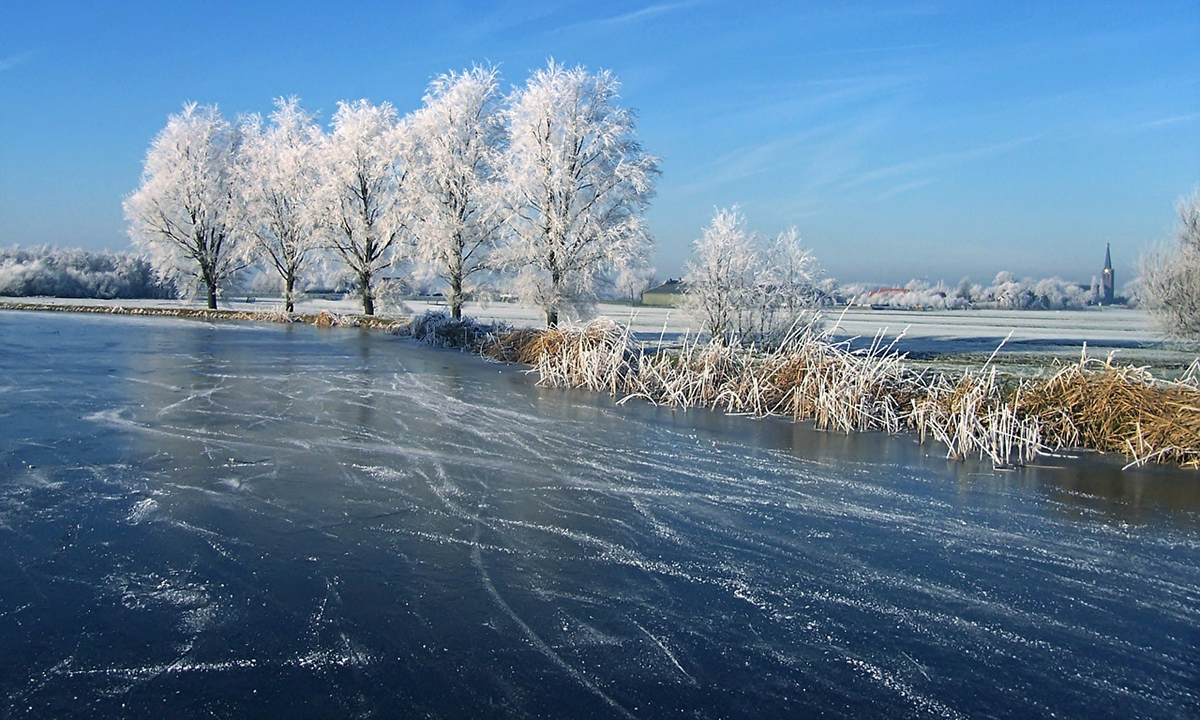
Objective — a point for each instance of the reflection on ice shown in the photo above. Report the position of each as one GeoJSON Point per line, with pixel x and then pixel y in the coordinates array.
{"type": "Point", "coordinates": [340, 523]}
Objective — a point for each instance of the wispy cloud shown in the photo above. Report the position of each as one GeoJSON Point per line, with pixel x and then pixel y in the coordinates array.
{"type": "Point", "coordinates": [935, 162]}
{"type": "Point", "coordinates": [505, 18]}
{"type": "Point", "coordinates": [792, 100]}
{"type": "Point", "coordinates": [12, 61]}
{"type": "Point", "coordinates": [867, 50]}
{"type": "Point", "coordinates": [647, 13]}
{"type": "Point", "coordinates": [1176, 120]}
{"type": "Point", "coordinates": [900, 189]}
{"type": "Point", "coordinates": [753, 160]}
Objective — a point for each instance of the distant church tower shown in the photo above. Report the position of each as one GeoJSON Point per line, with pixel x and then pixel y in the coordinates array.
{"type": "Point", "coordinates": [1106, 280]}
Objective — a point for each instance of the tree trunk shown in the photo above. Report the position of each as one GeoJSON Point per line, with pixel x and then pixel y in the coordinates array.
{"type": "Point", "coordinates": [456, 298]}
{"type": "Point", "coordinates": [288, 284]}
{"type": "Point", "coordinates": [555, 284]}
{"type": "Point", "coordinates": [212, 295]}
{"type": "Point", "coordinates": [368, 300]}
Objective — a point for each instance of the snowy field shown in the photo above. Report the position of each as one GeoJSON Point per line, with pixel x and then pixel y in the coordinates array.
{"type": "Point", "coordinates": [1109, 326]}
{"type": "Point", "coordinates": [1034, 333]}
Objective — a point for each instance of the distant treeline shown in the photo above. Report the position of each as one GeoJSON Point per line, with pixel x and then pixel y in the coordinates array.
{"type": "Point", "coordinates": [47, 271]}
{"type": "Point", "coordinates": [1006, 292]}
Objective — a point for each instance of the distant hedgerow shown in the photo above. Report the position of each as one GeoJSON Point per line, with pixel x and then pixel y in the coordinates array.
{"type": "Point", "coordinates": [50, 272]}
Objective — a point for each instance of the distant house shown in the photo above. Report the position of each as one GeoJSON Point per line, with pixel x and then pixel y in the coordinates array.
{"type": "Point", "coordinates": [669, 294]}
{"type": "Point", "coordinates": [879, 299]}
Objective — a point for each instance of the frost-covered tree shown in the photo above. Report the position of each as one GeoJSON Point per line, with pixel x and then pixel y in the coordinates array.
{"type": "Point", "coordinates": [1006, 292]}
{"type": "Point", "coordinates": [187, 214]}
{"type": "Point", "coordinates": [632, 281]}
{"type": "Point", "coordinates": [792, 273]}
{"type": "Point", "coordinates": [278, 180]}
{"type": "Point", "coordinates": [578, 182]}
{"type": "Point", "coordinates": [1170, 276]}
{"type": "Point", "coordinates": [741, 288]}
{"type": "Point", "coordinates": [361, 203]}
{"type": "Point", "coordinates": [720, 280]}
{"type": "Point", "coordinates": [457, 143]}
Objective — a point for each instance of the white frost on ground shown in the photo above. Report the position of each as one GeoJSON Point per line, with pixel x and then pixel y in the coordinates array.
{"type": "Point", "coordinates": [1098, 325]}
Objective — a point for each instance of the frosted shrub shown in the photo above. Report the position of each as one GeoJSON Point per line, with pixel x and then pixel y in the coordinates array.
{"type": "Point", "coordinates": [439, 329]}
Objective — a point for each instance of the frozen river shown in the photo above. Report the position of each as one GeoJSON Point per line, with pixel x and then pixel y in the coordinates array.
{"type": "Point", "coordinates": [243, 521]}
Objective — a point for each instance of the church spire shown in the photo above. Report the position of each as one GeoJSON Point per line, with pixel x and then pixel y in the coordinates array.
{"type": "Point", "coordinates": [1106, 279]}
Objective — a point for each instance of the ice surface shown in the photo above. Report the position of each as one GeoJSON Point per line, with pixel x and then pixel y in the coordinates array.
{"type": "Point", "coordinates": [243, 521]}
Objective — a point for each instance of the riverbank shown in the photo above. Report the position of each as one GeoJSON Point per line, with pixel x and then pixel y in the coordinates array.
{"type": "Point", "coordinates": [1026, 397]}
{"type": "Point", "coordinates": [1090, 404]}
{"type": "Point", "coordinates": [324, 318]}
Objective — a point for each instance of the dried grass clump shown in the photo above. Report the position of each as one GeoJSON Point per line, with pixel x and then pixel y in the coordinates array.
{"type": "Point", "coordinates": [513, 346]}
{"type": "Point", "coordinates": [806, 376]}
{"type": "Point", "coordinates": [843, 389]}
{"type": "Point", "coordinates": [975, 415]}
{"type": "Point", "coordinates": [716, 376]}
{"type": "Point", "coordinates": [601, 356]}
{"type": "Point", "coordinates": [328, 319]}
{"type": "Point", "coordinates": [809, 377]}
{"type": "Point", "coordinates": [1095, 404]}
{"type": "Point", "coordinates": [1090, 405]}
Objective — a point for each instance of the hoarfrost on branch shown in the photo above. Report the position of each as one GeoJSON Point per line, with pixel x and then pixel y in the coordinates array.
{"type": "Point", "coordinates": [361, 199]}
{"type": "Point", "coordinates": [187, 214]}
{"type": "Point", "coordinates": [578, 181]}
{"type": "Point", "coordinates": [458, 141]}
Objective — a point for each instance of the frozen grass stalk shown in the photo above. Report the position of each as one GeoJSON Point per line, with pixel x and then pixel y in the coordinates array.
{"type": "Point", "coordinates": [1091, 404]}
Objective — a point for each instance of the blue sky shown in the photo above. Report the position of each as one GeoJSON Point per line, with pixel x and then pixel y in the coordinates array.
{"type": "Point", "coordinates": [932, 140]}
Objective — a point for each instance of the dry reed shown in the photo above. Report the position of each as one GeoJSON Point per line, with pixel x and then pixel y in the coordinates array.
{"type": "Point", "coordinates": [1098, 405]}
{"type": "Point", "coordinates": [1090, 405]}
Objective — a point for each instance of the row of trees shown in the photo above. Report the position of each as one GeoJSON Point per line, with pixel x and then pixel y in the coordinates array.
{"type": "Point", "coordinates": [1005, 292]}
{"type": "Point", "coordinates": [547, 184]}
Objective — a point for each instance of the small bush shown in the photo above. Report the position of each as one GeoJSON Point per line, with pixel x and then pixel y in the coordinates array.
{"type": "Point", "coordinates": [437, 328]}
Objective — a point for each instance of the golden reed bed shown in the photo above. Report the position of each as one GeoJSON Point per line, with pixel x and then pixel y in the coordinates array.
{"type": "Point", "coordinates": [1092, 404]}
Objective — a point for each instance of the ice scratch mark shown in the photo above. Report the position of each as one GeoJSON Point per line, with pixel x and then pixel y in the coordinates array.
{"type": "Point", "coordinates": [666, 651]}
{"type": "Point", "coordinates": [14, 611]}
{"type": "Point", "coordinates": [888, 681]}
{"type": "Point", "coordinates": [916, 664]}
{"type": "Point", "coordinates": [534, 639]}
